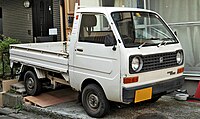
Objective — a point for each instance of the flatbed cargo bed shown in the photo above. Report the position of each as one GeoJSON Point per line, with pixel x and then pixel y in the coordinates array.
{"type": "Point", "coordinates": [50, 55]}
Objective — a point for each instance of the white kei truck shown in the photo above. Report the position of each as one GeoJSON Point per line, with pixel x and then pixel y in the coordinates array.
{"type": "Point", "coordinates": [125, 55]}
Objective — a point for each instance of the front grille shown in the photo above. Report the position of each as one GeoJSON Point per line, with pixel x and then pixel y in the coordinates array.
{"type": "Point", "coordinates": [156, 61]}
{"type": "Point", "coordinates": [159, 61]}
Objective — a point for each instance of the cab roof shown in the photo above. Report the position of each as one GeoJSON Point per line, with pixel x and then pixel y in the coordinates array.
{"type": "Point", "coordinates": [109, 9]}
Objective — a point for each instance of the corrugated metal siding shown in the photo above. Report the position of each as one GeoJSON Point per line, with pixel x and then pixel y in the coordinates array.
{"type": "Point", "coordinates": [17, 20]}
{"type": "Point", "coordinates": [56, 17]}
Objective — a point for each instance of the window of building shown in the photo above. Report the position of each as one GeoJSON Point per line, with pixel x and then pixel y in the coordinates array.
{"type": "Point", "coordinates": [108, 3]}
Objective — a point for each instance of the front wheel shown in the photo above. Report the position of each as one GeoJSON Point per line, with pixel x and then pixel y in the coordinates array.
{"type": "Point", "coordinates": [94, 101]}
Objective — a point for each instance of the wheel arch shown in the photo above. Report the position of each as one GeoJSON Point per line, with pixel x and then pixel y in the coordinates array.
{"type": "Point", "coordinates": [91, 81]}
{"type": "Point", "coordinates": [24, 69]}
{"type": "Point", "coordinates": [39, 72]}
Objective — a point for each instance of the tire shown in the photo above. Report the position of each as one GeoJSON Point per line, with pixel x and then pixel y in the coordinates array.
{"type": "Point", "coordinates": [32, 84]}
{"type": "Point", "coordinates": [94, 101]}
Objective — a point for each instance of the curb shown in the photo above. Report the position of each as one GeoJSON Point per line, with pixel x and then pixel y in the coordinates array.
{"type": "Point", "coordinates": [43, 111]}
{"type": "Point", "coordinates": [49, 113]}
{"type": "Point", "coordinates": [8, 112]}
{"type": "Point", "coordinates": [5, 112]}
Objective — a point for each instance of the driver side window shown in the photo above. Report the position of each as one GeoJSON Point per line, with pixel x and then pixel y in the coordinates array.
{"type": "Point", "coordinates": [94, 29]}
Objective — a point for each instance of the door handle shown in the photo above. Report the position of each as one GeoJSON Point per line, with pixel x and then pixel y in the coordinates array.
{"type": "Point", "coordinates": [79, 50]}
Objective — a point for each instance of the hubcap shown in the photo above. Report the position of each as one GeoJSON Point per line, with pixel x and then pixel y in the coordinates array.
{"type": "Point", "coordinates": [93, 101]}
{"type": "Point", "coordinates": [30, 83]}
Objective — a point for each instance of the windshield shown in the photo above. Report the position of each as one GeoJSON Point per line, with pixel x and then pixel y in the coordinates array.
{"type": "Point", "coordinates": [138, 29]}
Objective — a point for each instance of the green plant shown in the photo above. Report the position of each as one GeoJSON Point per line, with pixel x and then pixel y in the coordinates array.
{"type": "Point", "coordinates": [4, 55]}
{"type": "Point", "coordinates": [12, 91]}
{"type": "Point", "coordinates": [5, 42]}
{"type": "Point", "coordinates": [18, 107]}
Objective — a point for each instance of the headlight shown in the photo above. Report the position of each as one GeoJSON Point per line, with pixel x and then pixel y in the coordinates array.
{"type": "Point", "coordinates": [137, 63]}
{"type": "Point", "coordinates": [179, 57]}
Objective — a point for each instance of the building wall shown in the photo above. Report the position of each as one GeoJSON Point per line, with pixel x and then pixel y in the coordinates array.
{"type": "Point", "coordinates": [56, 17]}
{"type": "Point", "coordinates": [92, 3]}
{"type": "Point", "coordinates": [17, 20]}
{"type": "Point", "coordinates": [190, 86]}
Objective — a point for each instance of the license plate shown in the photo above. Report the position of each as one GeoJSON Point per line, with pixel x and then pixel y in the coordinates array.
{"type": "Point", "coordinates": [143, 94]}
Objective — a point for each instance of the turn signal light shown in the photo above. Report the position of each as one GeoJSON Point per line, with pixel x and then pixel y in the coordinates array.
{"type": "Point", "coordinates": [180, 70]}
{"type": "Point", "coordinates": [130, 80]}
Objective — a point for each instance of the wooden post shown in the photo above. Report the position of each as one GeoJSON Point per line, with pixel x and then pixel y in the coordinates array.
{"type": "Point", "coordinates": [61, 23]}
{"type": "Point", "coordinates": [66, 16]}
{"type": "Point", "coordinates": [69, 12]}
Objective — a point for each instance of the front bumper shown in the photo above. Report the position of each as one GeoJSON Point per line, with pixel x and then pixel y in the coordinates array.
{"type": "Point", "coordinates": [162, 87]}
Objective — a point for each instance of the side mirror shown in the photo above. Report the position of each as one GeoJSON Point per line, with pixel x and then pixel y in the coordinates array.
{"type": "Point", "coordinates": [109, 41]}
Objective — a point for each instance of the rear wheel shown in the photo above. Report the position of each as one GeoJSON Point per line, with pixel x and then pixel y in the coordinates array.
{"type": "Point", "coordinates": [94, 101]}
{"type": "Point", "coordinates": [32, 84]}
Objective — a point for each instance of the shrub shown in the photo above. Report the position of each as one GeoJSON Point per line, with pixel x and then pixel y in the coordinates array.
{"type": "Point", "coordinates": [5, 42]}
{"type": "Point", "coordinates": [4, 55]}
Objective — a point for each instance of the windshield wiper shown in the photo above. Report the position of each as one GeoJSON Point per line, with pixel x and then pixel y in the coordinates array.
{"type": "Point", "coordinates": [163, 41]}
{"type": "Point", "coordinates": [154, 39]}
{"type": "Point", "coordinates": [142, 45]}
{"type": "Point", "coordinates": [146, 42]}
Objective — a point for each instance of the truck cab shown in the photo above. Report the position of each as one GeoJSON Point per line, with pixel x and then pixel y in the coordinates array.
{"type": "Point", "coordinates": [132, 54]}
